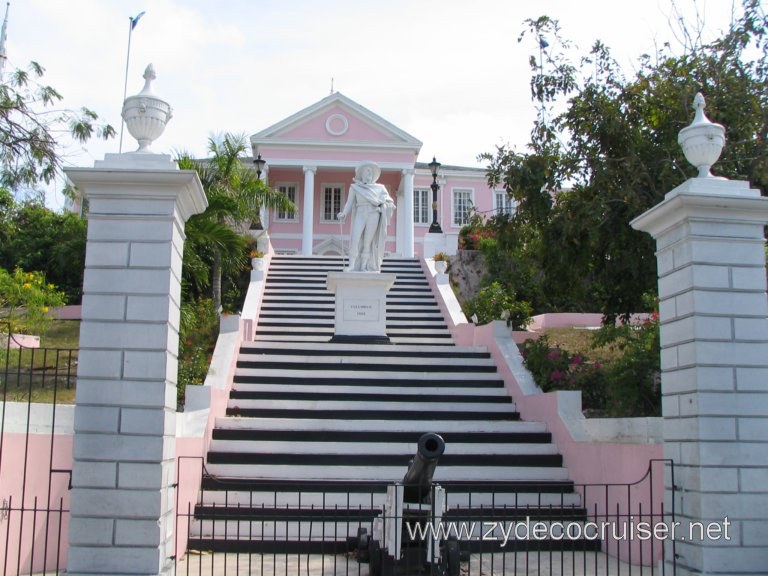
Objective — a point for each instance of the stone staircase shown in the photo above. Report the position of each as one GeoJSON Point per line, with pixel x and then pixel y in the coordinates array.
{"type": "Point", "coordinates": [315, 431]}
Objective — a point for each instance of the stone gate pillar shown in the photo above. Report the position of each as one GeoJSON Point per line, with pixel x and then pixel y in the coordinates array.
{"type": "Point", "coordinates": [123, 495]}
{"type": "Point", "coordinates": [714, 339]}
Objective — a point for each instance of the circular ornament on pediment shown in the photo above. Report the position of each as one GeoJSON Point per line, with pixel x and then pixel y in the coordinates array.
{"type": "Point", "coordinates": [337, 124]}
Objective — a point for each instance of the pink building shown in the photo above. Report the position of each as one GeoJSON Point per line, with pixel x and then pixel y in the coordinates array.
{"type": "Point", "coordinates": [311, 157]}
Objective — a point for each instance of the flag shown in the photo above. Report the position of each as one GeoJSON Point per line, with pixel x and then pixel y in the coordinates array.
{"type": "Point", "coordinates": [135, 20]}
{"type": "Point", "coordinates": [542, 43]}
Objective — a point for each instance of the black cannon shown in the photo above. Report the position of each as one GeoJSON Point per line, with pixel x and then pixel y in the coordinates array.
{"type": "Point", "coordinates": [417, 482]}
{"type": "Point", "coordinates": [401, 543]}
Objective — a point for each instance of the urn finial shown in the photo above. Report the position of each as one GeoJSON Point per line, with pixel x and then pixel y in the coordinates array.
{"type": "Point", "coordinates": [149, 75]}
{"type": "Point", "coordinates": [703, 140]}
{"type": "Point", "coordinates": [146, 114]}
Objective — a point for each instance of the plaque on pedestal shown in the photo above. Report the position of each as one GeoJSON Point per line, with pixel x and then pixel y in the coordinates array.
{"type": "Point", "coordinates": [361, 305]}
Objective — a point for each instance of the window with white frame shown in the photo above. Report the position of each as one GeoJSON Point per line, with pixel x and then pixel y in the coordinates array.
{"type": "Point", "coordinates": [333, 201]}
{"type": "Point", "coordinates": [289, 189]}
{"type": "Point", "coordinates": [422, 206]}
{"type": "Point", "coordinates": [503, 203]}
{"type": "Point", "coordinates": [462, 203]}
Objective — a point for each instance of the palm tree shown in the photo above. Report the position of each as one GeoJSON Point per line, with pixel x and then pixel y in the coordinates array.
{"type": "Point", "coordinates": [235, 195]}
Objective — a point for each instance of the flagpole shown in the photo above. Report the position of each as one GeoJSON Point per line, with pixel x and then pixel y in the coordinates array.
{"type": "Point", "coordinates": [3, 55]}
{"type": "Point", "coordinates": [132, 21]}
{"type": "Point", "coordinates": [125, 85]}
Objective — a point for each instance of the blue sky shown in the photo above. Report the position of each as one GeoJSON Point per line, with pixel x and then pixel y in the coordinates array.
{"type": "Point", "coordinates": [449, 72]}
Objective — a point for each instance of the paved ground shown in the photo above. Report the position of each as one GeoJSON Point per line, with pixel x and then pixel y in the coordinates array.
{"type": "Point", "coordinates": [544, 564]}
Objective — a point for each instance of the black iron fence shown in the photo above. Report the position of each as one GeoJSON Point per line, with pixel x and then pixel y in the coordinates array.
{"type": "Point", "coordinates": [312, 527]}
{"type": "Point", "coordinates": [241, 526]}
{"type": "Point", "coordinates": [35, 455]}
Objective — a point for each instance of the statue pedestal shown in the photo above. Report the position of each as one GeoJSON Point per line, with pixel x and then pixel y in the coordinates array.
{"type": "Point", "coordinates": [361, 305]}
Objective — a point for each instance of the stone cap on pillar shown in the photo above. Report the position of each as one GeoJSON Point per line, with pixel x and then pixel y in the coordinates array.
{"type": "Point", "coordinates": [694, 205]}
{"type": "Point", "coordinates": [145, 187]}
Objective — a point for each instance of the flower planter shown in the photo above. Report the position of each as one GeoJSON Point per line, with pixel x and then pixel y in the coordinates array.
{"type": "Point", "coordinates": [258, 263]}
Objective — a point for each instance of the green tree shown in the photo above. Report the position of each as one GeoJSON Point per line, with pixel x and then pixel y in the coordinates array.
{"type": "Point", "coordinates": [216, 243]}
{"type": "Point", "coordinates": [25, 298]}
{"type": "Point", "coordinates": [32, 129]}
{"type": "Point", "coordinates": [34, 237]}
{"type": "Point", "coordinates": [604, 150]}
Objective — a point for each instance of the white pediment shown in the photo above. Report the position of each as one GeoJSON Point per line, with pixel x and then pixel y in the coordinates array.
{"type": "Point", "coordinates": [336, 120]}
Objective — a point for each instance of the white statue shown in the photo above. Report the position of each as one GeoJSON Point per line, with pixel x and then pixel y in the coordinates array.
{"type": "Point", "coordinates": [371, 209]}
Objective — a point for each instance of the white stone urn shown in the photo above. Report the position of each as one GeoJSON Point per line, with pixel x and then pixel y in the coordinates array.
{"type": "Point", "coordinates": [703, 140]}
{"type": "Point", "coordinates": [441, 266]}
{"type": "Point", "coordinates": [258, 263]}
{"type": "Point", "coordinates": [145, 114]}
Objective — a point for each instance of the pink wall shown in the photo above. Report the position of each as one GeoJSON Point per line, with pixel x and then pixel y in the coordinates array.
{"type": "Point", "coordinates": [588, 463]}
{"type": "Point", "coordinates": [31, 491]}
{"type": "Point", "coordinates": [72, 312]}
{"type": "Point", "coordinates": [483, 198]}
{"type": "Point", "coordinates": [594, 463]}
{"type": "Point", "coordinates": [320, 228]}
{"type": "Point", "coordinates": [565, 320]}
{"type": "Point", "coordinates": [192, 450]}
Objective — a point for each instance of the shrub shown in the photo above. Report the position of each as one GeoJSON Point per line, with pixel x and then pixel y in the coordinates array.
{"type": "Point", "coordinates": [635, 373]}
{"type": "Point", "coordinates": [26, 297]}
{"type": "Point", "coordinates": [554, 368]}
{"type": "Point", "coordinates": [495, 302]}
{"type": "Point", "coordinates": [627, 385]}
{"type": "Point", "coordinates": [471, 235]}
{"type": "Point", "coordinates": [197, 339]}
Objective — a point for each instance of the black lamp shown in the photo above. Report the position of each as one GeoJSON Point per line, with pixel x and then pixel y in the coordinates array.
{"type": "Point", "coordinates": [259, 162]}
{"type": "Point", "coordinates": [434, 166]}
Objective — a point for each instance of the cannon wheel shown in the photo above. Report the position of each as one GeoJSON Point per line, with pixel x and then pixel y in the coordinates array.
{"type": "Point", "coordinates": [374, 558]}
{"type": "Point", "coordinates": [451, 558]}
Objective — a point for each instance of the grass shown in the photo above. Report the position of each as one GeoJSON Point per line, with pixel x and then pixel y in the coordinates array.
{"type": "Point", "coordinates": [574, 340]}
{"type": "Point", "coordinates": [46, 374]}
{"type": "Point", "coordinates": [62, 334]}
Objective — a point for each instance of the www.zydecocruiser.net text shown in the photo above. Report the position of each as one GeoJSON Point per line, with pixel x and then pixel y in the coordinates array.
{"type": "Point", "coordinates": [629, 530]}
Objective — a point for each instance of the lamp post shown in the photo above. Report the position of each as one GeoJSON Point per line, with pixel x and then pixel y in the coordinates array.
{"type": "Point", "coordinates": [259, 163]}
{"type": "Point", "coordinates": [434, 166]}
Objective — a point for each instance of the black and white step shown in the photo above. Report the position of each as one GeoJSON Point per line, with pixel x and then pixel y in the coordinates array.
{"type": "Point", "coordinates": [315, 431]}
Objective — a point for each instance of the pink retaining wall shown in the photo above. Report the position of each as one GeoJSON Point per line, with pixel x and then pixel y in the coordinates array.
{"type": "Point", "coordinates": [191, 450]}
{"type": "Point", "coordinates": [588, 462]}
{"type": "Point", "coordinates": [565, 320]}
{"type": "Point", "coordinates": [35, 519]}
{"type": "Point", "coordinates": [591, 463]}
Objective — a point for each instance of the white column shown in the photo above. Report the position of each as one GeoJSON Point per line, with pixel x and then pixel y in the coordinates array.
{"type": "Point", "coordinates": [123, 475]}
{"type": "Point", "coordinates": [407, 250]}
{"type": "Point", "coordinates": [307, 229]}
{"type": "Point", "coordinates": [714, 358]}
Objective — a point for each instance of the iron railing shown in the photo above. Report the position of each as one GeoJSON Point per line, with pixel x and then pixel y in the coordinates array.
{"type": "Point", "coordinates": [34, 505]}
{"type": "Point", "coordinates": [240, 526]}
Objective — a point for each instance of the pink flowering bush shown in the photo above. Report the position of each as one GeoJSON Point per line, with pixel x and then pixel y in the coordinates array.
{"type": "Point", "coordinates": [627, 384]}
{"type": "Point", "coordinates": [472, 236]}
{"type": "Point", "coordinates": [554, 368]}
